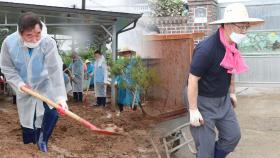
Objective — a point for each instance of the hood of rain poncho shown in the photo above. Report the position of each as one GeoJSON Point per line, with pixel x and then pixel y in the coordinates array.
{"type": "Point", "coordinates": [44, 32]}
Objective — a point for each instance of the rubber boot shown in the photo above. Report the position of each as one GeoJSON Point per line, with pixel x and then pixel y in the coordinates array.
{"type": "Point", "coordinates": [104, 101]}
{"type": "Point", "coordinates": [75, 96]}
{"type": "Point", "coordinates": [220, 153]}
{"type": "Point", "coordinates": [80, 96]}
{"type": "Point", "coordinates": [42, 145]}
{"type": "Point", "coordinates": [98, 101]}
{"type": "Point", "coordinates": [37, 135]}
{"type": "Point", "coordinates": [48, 124]}
{"type": "Point", "coordinates": [28, 135]}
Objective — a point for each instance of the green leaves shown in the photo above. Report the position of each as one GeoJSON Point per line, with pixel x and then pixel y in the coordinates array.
{"type": "Point", "coordinates": [143, 76]}
{"type": "Point", "coordinates": [135, 73]}
{"type": "Point", "coordinates": [163, 8]}
{"type": "Point", "coordinates": [67, 59]}
{"type": "Point", "coordinates": [118, 67]}
{"type": "Point", "coordinates": [260, 43]}
{"type": "Point", "coordinates": [83, 53]}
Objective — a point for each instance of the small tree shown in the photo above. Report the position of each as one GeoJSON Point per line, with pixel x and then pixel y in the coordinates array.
{"type": "Point", "coordinates": [66, 57]}
{"type": "Point", "coordinates": [4, 32]}
{"type": "Point", "coordinates": [86, 53]}
{"type": "Point", "coordinates": [163, 8]}
{"type": "Point", "coordinates": [142, 77]}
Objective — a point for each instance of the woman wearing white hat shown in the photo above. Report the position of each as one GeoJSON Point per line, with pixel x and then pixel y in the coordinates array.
{"type": "Point", "coordinates": [211, 90]}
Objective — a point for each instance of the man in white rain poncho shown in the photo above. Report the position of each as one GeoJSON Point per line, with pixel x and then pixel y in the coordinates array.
{"type": "Point", "coordinates": [29, 58]}
{"type": "Point", "coordinates": [100, 78]}
{"type": "Point", "coordinates": [77, 68]}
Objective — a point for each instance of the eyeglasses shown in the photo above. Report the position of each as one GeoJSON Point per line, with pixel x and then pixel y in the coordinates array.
{"type": "Point", "coordinates": [243, 27]}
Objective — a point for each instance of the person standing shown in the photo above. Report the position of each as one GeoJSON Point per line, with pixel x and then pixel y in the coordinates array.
{"type": "Point", "coordinates": [125, 95]}
{"type": "Point", "coordinates": [90, 71]}
{"type": "Point", "coordinates": [77, 68]}
{"type": "Point", "coordinates": [211, 84]}
{"type": "Point", "coordinates": [29, 58]}
{"type": "Point", "coordinates": [100, 78]}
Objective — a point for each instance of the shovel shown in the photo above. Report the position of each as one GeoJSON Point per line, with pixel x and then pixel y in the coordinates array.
{"type": "Point", "coordinates": [86, 94]}
{"type": "Point", "coordinates": [71, 75]}
{"type": "Point", "coordinates": [70, 114]}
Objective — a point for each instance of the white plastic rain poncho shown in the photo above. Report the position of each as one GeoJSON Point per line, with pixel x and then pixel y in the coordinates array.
{"type": "Point", "coordinates": [100, 77]}
{"type": "Point", "coordinates": [67, 82]}
{"type": "Point", "coordinates": [78, 72]}
{"type": "Point", "coordinates": [42, 70]}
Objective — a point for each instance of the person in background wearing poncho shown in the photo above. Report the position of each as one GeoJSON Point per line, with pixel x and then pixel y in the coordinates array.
{"type": "Point", "coordinates": [77, 68]}
{"type": "Point", "coordinates": [29, 58]}
{"type": "Point", "coordinates": [125, 95]}
{"type": "Point", "coordinates": [90, 71]}
{"type": "Point", "coordinates": [100, 78]}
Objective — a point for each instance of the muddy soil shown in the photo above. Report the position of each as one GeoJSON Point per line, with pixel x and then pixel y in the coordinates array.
{"type": "Point", "coordinates": [72, 140]}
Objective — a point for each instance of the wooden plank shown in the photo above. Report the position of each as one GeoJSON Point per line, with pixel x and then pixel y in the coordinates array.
{"type": "Point", "coordinates": [160, 37]}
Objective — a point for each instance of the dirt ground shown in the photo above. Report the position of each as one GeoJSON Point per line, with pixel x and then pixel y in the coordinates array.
{"type": "Point", "coordinates": [71, 140]}
{"type": "Point", "coordinates": [258, 114]}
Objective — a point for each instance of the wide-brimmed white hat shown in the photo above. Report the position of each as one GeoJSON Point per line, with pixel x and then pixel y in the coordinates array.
{"type": "Point", "coordinates": [236, 13]}
{"type": "Point", "coordinates": [126, 50]}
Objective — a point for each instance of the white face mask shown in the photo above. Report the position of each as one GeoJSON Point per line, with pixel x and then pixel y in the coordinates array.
{"type": "Point", "coordinates": [31, 45]}
{"type": "Point", "coordinates": [236, 37]}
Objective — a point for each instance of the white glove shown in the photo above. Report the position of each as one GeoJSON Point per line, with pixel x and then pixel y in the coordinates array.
{"type": "Point", "coordinates": [233, 99]}
{"type": "Point", "coordinates": [195, 117]}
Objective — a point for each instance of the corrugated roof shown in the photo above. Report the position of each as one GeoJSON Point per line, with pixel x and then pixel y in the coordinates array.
{"type": "Point", "coordinates": [61, 20]}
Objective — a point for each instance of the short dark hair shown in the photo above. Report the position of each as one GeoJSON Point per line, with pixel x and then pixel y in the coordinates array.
{"type": "Point", "coordinates": [27, 21]}
{"type": "Point", "coordinates": [97, 52]}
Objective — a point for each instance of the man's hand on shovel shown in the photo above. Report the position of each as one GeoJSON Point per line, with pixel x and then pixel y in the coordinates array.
{"type": "Point", "coordinates": [72, 78]}
{"type": "Point", "coordinates": [62, 107]}
{"type": "Point", "coordinates": [22, 84]}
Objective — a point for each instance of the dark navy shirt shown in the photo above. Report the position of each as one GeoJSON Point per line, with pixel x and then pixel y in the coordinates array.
{"type": "Point", "coordinates": [208, 55]}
